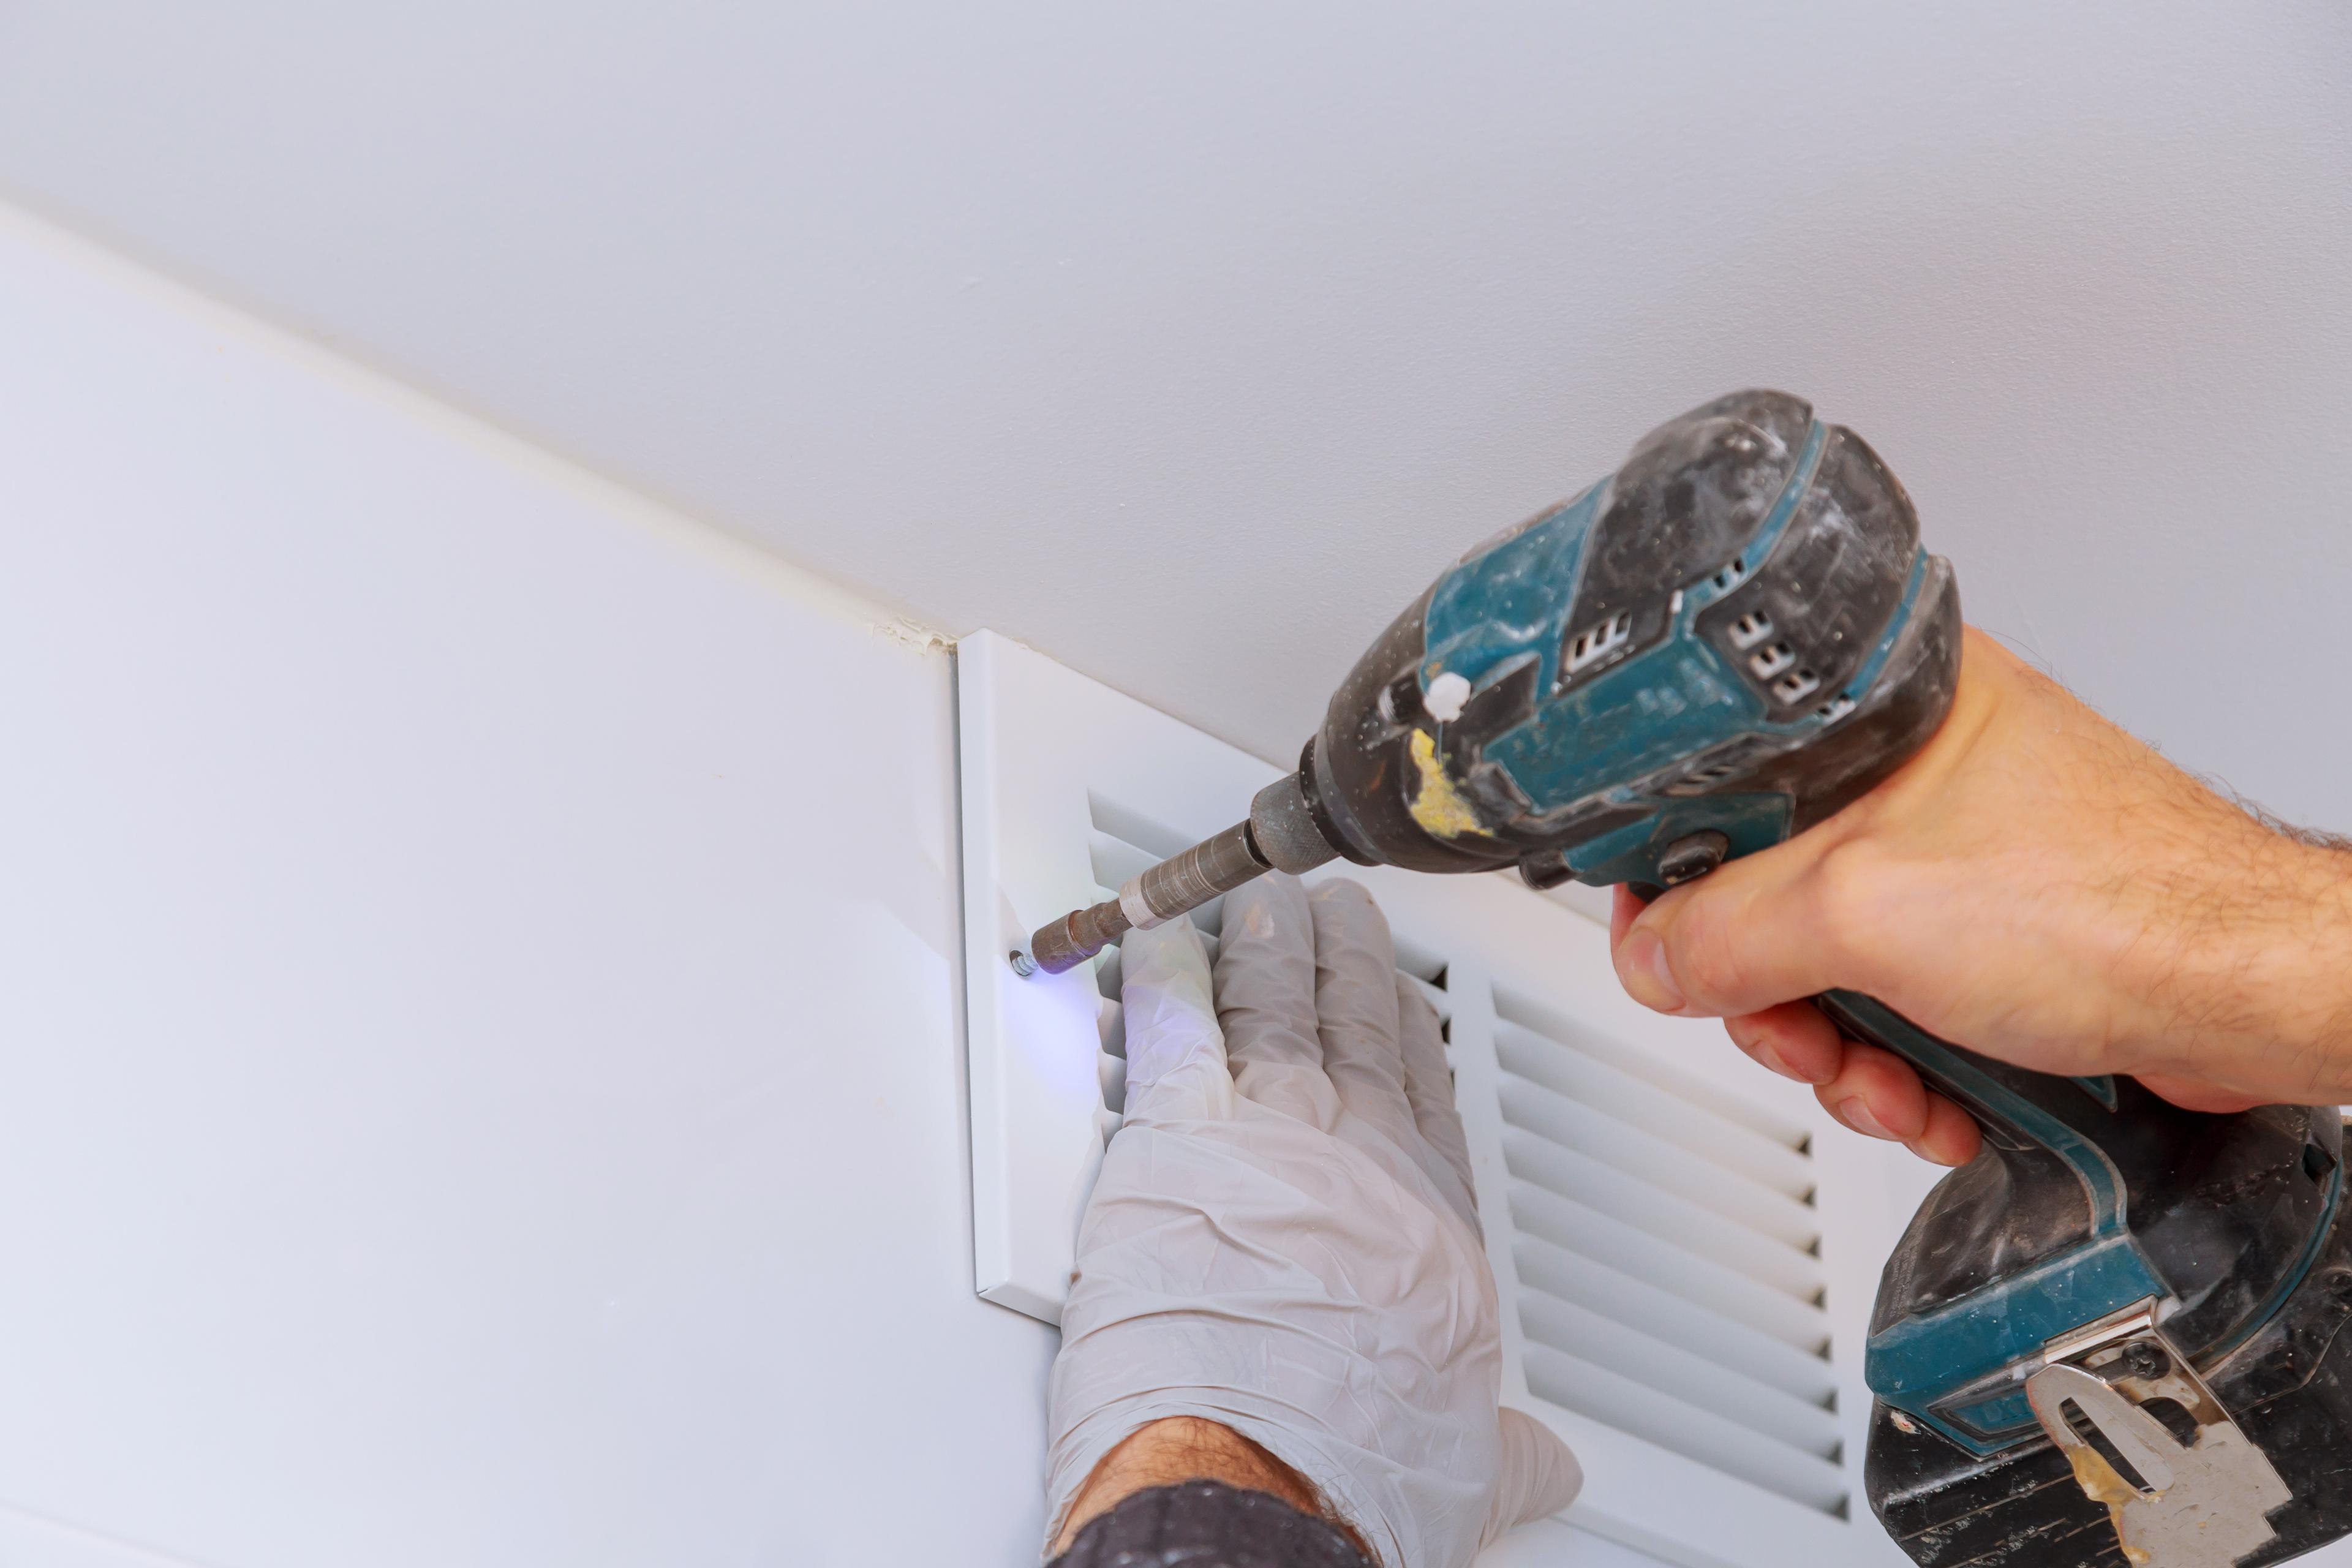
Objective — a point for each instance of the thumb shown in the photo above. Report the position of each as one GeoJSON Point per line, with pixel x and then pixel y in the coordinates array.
{"type": "Point", "coordinates": [1535, 1477]}
{"type": "Point", "coordinates": [1751, 935]}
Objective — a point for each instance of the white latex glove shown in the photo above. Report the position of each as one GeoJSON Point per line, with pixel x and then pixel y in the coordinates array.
{"type": "Point", "coordinates": [1283, 1237]}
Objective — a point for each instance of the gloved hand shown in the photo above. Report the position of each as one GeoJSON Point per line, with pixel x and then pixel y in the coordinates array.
{"type": "Point", "coordinates": [1283, 1239]}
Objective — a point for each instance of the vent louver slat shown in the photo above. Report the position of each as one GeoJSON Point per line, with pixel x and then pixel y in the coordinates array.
{"type": "Point", "coordinates": [1616, 1400]}
{"type": "Point", "coordinates": [1556, 1028]}
{"type": "Point", "coordinates": [1640, 1103]}
{"type": "Point", "coordinates": [1762, 1409]}
{"type": "Point", "coordinates": [1674, 1221]}
{"type": "Point", "coordinates": [1677, 1319]}
{"type": "Point", "coordinates": [1577, 1124]}
{"type": "Point", "coordinates": [1588, 1232]}
{"type": "Point", "coordinates": [1665, 1249]}
{"type": "Point", "coordinates": [1113, 859]}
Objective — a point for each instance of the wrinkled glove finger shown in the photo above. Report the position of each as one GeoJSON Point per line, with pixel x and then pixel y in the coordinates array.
{"type": "Point", "coordinates": [1429, 1088]}
{"type": "Point", "coordinates": [1265, 1000]}
{"type": "Point", "coordinates": [1356, 1009]}
{"type": "Point", "coordinates": [1536, 1477]}
{"type": "Point", "coordinates": [1175, 1050]}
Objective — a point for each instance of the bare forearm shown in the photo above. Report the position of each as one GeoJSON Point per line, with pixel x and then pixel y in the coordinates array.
{"type": "Point", "coordinates": [1187, 1449]}
{"type": "Point", "coordinates": [2038, 885]}
{"type": "Point", "coordinates": [2267, 1003]}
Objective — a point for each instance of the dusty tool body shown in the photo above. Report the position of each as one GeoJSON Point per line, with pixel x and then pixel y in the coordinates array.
{"type": "Point", "coordinates": [1713, 648]}
{"type": "Point", "coordinates": [2115, 1333]}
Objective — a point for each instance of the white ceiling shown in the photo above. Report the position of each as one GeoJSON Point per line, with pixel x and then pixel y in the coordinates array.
{"type": "Point", "coordinates": [1187, 342]}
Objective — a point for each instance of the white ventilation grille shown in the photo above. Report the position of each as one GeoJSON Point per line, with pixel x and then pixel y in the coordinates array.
{"type": "Point", "coordinates": [1670, 1283]}
{"type": "Point", "coordinates": [1685, 1247]}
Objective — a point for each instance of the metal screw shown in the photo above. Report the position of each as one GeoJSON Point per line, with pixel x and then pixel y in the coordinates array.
{"type": "Point", "coordinates": [1693, 855]}
{"type": "Point", "coordinates": [1022, 964]}
{"type": "Point", "coordinates": [2142, 1359]}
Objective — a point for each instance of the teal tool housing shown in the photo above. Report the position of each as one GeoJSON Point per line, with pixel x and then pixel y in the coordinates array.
{"type": "Point", "coordinates": [1710, 650]}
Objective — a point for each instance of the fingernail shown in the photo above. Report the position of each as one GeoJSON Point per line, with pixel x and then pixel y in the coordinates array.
{"type": "Point", "coordinates": [1856, 1115]}
{"type": "Point", "coordinates": [1641, 969]}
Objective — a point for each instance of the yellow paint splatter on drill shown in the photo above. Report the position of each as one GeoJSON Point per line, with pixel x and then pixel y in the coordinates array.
{"type": "Point", "coordinates": [1439, 807]}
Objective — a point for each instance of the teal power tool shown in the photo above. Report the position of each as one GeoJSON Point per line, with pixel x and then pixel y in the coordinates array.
{"type": "Point", "coordinates": [2112, 1338]}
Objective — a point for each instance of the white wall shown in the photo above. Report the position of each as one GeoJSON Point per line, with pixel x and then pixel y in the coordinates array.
{"type": "Point", "coordinates": [478, 1080]}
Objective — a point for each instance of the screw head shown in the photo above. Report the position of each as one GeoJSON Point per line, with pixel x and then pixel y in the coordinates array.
{"type": "Point", "coordinates": [1693, 855]}
{"type": "Point", "coordinates": [2142, 1359]}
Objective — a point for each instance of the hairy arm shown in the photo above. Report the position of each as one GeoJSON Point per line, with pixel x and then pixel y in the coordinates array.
{"type": "Point", "coordinates": [2037, 885]}
{"type": "Point", "coordinates": [1188, 1448]}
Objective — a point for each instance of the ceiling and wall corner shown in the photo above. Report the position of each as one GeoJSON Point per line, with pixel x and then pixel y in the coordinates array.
{"type": "Point", "coordinates": [1186, 342]}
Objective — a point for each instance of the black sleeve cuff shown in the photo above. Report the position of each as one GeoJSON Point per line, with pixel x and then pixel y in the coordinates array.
{"type": "Point", "coordinates": [1207, 1524]}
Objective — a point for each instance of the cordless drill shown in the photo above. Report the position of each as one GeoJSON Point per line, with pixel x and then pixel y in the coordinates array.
{"type": "Point", "coordinates": [2110, 1339]}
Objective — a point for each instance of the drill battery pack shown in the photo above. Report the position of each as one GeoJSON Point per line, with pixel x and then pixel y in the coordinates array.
{"type": "Point", "coordinates": [2257, 1470]}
